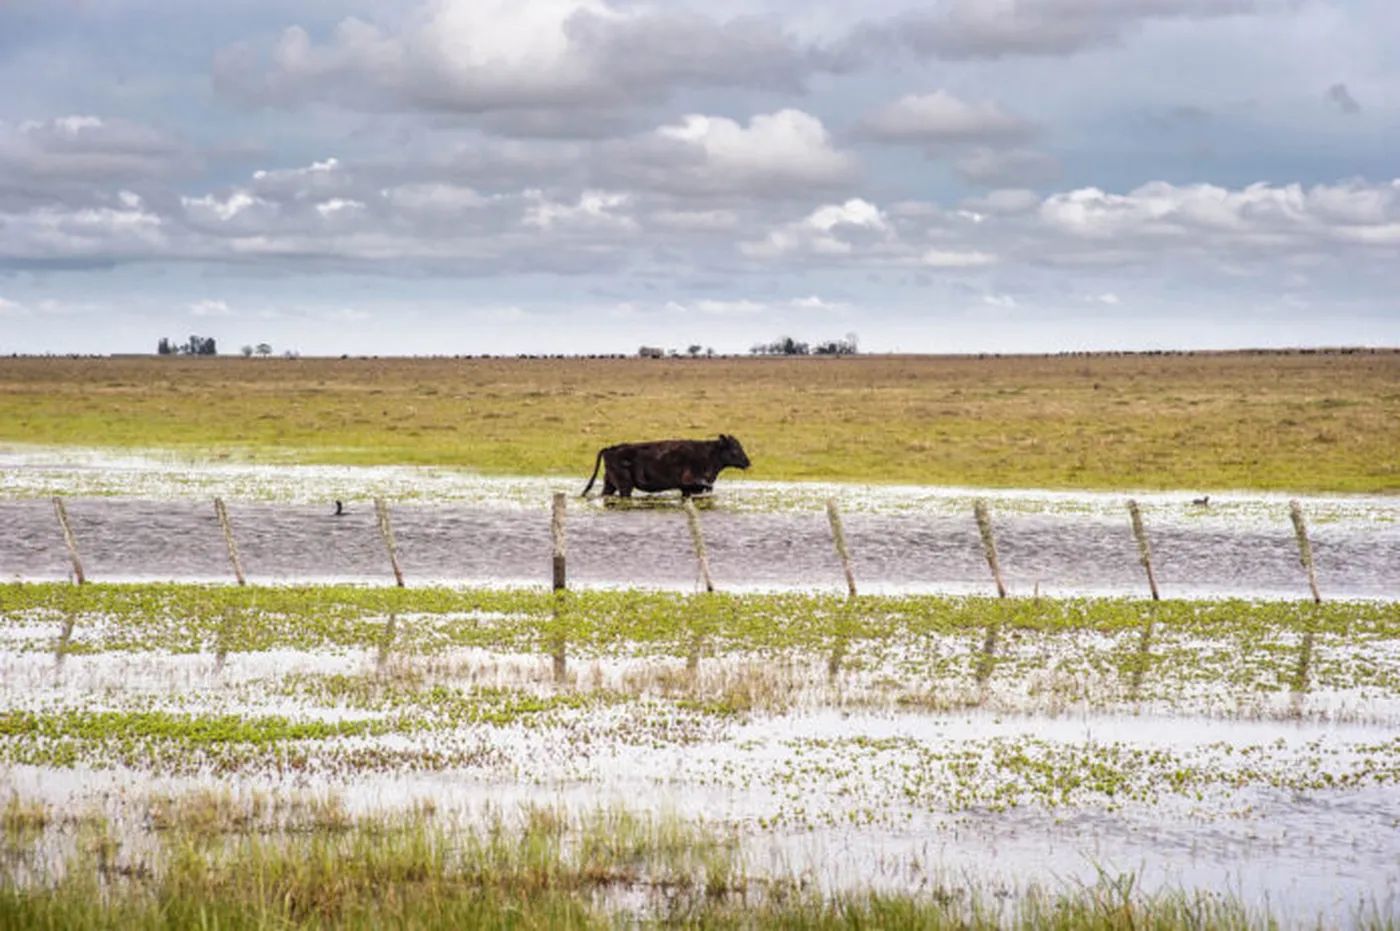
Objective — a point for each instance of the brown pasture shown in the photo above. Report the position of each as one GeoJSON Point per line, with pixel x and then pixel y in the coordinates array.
{"type": "Point", "coordinates": [1306, 421]}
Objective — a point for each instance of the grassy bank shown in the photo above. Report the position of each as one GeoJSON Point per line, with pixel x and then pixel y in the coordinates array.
{"type": "Point", "coordinates": [1306, 422]}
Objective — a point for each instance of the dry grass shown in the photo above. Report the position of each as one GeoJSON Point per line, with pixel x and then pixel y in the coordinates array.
{"type": "Point", "coordinates": [1307, 422]}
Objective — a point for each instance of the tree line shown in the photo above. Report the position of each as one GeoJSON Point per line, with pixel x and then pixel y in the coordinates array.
{"type": "Point", "coordinates": [194, 346]}
{"type": "Point", "coordinates": [787, 346]}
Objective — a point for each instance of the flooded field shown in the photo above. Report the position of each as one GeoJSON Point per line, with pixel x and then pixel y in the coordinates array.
{"type": "Point", "coordinates": [928, 743]}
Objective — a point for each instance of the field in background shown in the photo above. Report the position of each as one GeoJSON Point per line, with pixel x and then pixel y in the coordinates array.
{"type": "Point", "coordinates": [1282, 421]}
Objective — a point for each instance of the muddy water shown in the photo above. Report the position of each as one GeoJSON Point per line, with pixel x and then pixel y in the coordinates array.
{"type": "Point", "coordinates": [180, 539]}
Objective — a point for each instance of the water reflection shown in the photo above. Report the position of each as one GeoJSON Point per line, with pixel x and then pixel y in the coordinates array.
{"type": "Point", "coordinates": [122, 539]}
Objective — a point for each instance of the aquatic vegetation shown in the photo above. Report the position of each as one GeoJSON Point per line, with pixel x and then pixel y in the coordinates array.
{"type": "Point", "coordinates": [777, 721]}
{"type": "Point", "coordinates": [219, 860]}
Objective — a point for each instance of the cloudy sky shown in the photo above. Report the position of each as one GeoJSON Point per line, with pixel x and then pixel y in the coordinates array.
{"type": "Point", "coordinates": [468, 176]}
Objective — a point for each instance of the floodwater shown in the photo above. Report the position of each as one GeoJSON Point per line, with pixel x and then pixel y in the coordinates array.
{"type": "Point", "coordinates": [1075, 553]}
{"type": "Point", "coordinates": [844, 797]}
{"type": "Point", "coordinates": [848, 786]}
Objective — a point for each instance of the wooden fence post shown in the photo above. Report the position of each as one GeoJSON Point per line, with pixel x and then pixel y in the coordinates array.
{"type": "Point", "coordinates": [559, 642]}
{"type": "Point", "coordinates": [68, 539]}
{"type": "Point", "coordinates": [1144, 554]}
{"type": "Point", "coordinates": [1304, 547]}
{"type": "Point", "coordinates": [556, 529]}
{"type": "Point", "coordinates": [838, 534]}
{"type": "Point", "coordinates": [71, 617]}
{"type": "Point", "coordinates": [692, 518]}
{"type": "Point", "coordinates": [387, 532]}
{"type": "Point", "coordinates": [228, 539]}
{"type": "Point", "coordinates": [989, 543]}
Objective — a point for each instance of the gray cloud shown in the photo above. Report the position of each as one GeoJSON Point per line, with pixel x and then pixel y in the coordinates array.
{"type": "Point", "coordinates": [557, 61]}
{"type": "Point", "coordinates": [969, 29]}
{"type": "Point", "coordinates": [1339, 95]}
{"type": "Point", "coordinates": [1006, 168]}
{"type": "Point", "coordinates": [88, 148]}
{"type": "Point", "coordinates": [940, 118]}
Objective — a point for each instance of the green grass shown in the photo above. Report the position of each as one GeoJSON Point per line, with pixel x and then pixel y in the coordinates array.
{"type": "Point", "coordinates": [221, 862]}
{"type": "Point", "coordinates": [1306, 422]}
{"type": "Point", "coordinates": [183, 617]}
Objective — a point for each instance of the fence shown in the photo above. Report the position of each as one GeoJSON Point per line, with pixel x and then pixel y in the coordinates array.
{"type": "Point", "coordinates": [556, 639]}
{"type": "Point", "coordinates": [558, 567]}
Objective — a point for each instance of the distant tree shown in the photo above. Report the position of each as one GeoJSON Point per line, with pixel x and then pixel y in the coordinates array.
{"type": "Point", "coordinates": [693, 349]}
{"type": "Point", "coordinates": [264, 349]}
{"type": "Point", "coordinates": [710, 351]}
{"type": "Point", "coordinates": [199, 346]}
{"type": "Point", "coordinates": [247, 351]}
{"type": "Point", "coordinates": [164, 348]}
{"type": "Point", "coordinates": [787, 346]}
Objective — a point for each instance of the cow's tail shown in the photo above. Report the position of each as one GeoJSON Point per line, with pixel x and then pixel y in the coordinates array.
{"type": "Point", "coordinates": [596, 462]}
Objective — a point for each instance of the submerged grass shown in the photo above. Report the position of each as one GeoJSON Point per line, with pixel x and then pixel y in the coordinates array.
{"type": "Point", "coordinates": [246, 866]}
{"type": "Point", "coordinates": [1305, 422]}
{"type": "Point", "coordinates": [185, 618]}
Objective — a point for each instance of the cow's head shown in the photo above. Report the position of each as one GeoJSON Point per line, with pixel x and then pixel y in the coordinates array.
{"type": "Point", "coordinates": [731, 453]}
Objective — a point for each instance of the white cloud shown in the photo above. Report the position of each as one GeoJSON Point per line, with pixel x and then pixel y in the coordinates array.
{"type": "Point", "coordinates": [940, 118]}
{"type": "Point", "coordinates": [787, 147]}
{"type": "Point", "coordinates": [1258, 216]}
{"type": "Point", "coordinates": [592, 209]}
{"type": "Point", "coordinates": [834, 229]}
{"type": "Point", "coordinates": [748, 307]}
{"type": "Point", "coordinates": [210, 308]}
{"type": "Point", "coordinates": [943, 258]}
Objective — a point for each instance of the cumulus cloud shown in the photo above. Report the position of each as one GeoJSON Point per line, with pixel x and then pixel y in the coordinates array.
{"type": "Point", "coordinates": [940, 118]}
{"type": "Point", "coordinates": [596, 210]}
{"type": "Point", "coordinates": [551, 57]}
{"type": "Point", "coordinates": [334, 215]}
{"type": "Point", "coordinates": [786, 149]}
{"type": "Point", "coordinates": [830, 230]}
{"type": "Point", "coordinates": [970, 29]}
{"type": "Point", "coordinates": [1156, 225]}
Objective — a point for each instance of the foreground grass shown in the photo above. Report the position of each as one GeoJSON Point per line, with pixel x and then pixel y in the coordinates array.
{"type": "Point", "coordinates": [214, 860]}
{"type": "Point", "coordinates": [1314, 422]}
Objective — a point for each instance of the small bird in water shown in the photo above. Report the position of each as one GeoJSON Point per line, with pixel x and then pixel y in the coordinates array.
{"type": "Point", "coordinates": [339, 508]}
{"type": "Point", "coordinates": [1199, 502]}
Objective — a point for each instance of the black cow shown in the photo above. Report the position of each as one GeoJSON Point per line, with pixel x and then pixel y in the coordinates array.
{"type": "Point", "coordinates": [690, 465]}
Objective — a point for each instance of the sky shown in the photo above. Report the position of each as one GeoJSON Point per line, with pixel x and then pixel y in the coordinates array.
{"type": "Point", "coordinates": [589, 176]}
